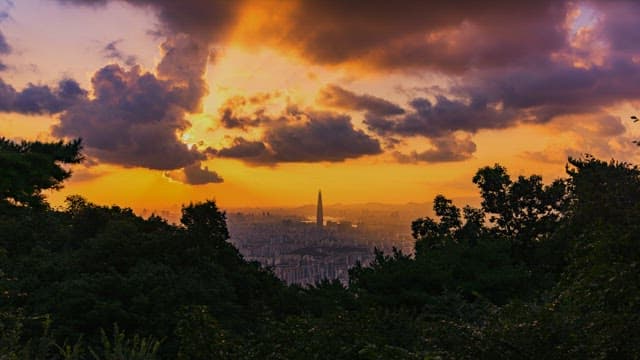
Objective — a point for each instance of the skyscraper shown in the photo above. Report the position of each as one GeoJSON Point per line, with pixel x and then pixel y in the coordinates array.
{"type": "Point", "coordinates": [319, 216]}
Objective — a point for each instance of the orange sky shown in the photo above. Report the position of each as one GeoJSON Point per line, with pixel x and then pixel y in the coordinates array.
{"type": "Point", "coordinates": [280, 70]}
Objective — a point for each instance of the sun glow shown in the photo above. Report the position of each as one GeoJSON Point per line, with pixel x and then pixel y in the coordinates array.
{"type": "Point", "coordinates": [241, 71]}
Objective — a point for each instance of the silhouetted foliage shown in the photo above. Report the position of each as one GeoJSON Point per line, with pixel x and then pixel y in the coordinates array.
{"type": "Point", "coordinates": [525, 211]}
{"type": "Point", "coordinates": [28, 168]}
{"type": "Point", "coordinates": [538, 271]}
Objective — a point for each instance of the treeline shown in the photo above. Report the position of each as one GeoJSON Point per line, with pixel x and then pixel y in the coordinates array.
{"type": "Point", "coordinates": [538, 271]}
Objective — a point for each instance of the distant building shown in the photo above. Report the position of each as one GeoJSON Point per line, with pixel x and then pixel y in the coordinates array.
{"type": "Point", "coordinates": [319, 215]}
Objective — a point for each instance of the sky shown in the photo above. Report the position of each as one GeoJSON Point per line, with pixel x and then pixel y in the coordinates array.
{"type": "Point", "coordinates": [261, 103]}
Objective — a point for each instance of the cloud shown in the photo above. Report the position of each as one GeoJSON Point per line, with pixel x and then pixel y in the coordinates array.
{"type": "Point", "coordinates": [619, 25]}
{"type": "Point", "coordinates": [135, 117]}
{"type": "Point", "coordinates": [324, 137]}
{"type": "Point", "coordinates": [41, 99]}
{"type": "Point", "coordinates": [133, 120]}
{"type": "Point", "coordinates": [4, 48]}
{"type": "Point", "coordinates": [241, 148]}
{"type": "Point", "coordinates": [598, 125]}
{"type": "Point", "coordinates": [184, 63]}
{"type": "Point", "coordinates": [5, 7]}
{"type": "Point", "coordinates": [450, 37]}
{"type": "Point", "coordinates": [204, 20]}
{"type": "Point", "coordinates": [111, 51]}
{"type": "Point", "coordinates": [504, 98]}
{"type": "Point", "coordinates": [468, 37]}
{"type": "Point", "coordinates": [609, 126]}
{"type": "Point", "coordinates": [443, 117]}
{"type": "Point", "coordinates": [552, 155]}
{"type": "Point", "coordinates": [620, 148]}
{"type": "Point", "coordinates": [338, 97]}
{"type": "Point", "coordinates": [85, 173]}
{"type": "Point", "coordinates": [508, 63]}
{"type": "Point", "coordinates": [234, 112]}
{"type": "Point", "coordinates": [195, 174]}
{"type": "Point", "coordinates": [445, 149]}
{"type": "Point", "coordinates": [558, 88]}
{"type": "Point", "coordinates": [36, 99]}
{"type": "Point", "coordinates": [4, 45]}
{"type": "Point", "coordinates": [230, 120]}
{"type": "Point", "coordinates": [598, 134]}
{"type": "Point", "coordinates": [319, 136]}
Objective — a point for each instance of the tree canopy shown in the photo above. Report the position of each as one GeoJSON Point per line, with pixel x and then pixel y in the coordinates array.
{"type": "Point", "coordinates": [537, 271]}
{"type": "Point", "coordinates": [29, 167]}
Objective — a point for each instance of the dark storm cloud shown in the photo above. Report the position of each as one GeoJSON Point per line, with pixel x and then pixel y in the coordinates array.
{"type": "Point", "coordinates": [210, 152]}
{"type": "Point", "coordinates": [503, 98]}
{"type": "Point", "coordinates": [233, 113]}
{"type": "Point", "coordinates": [41, 99]}
{"type": "Point", "coordinates": [445, 149]}
{"type": "Point", "coordinates": [195, 174]}
{"type": "Point", "coordinates": [559, 88]}
{"type": "Point", "coordinates": [595, 72]}
{"type": "Point", "coordinates": [449, 36]}
{"type": "Point", "coordinates": [338, 97]}
{"type": "Point", "coordinates": [322, 136]}
{"type": "Point", "coordinates": [620, 24]}
{"type": "Point", "coordinates": [230, 120]}
{"type": "Point", "coordinates": [514, 62]}
{"type": "Point", "coordinates": [135, 116]}
{"type": "Point", "coordinates": [205, 20]}
{"type": "Point", "coordinates": [435, 120]}
{"type": "Point", "coordinates": [184, 63]}
{"type": "Point", "coordinates": [245, 149]}
{"type": "Point", "coordinates": [111, 51]}
{"type": "Point", "coordinates": [453, 36]}
{"type": "Point", "coordinates": [185, 60]}
{"type": "Point", "coordinates": [132, 120]}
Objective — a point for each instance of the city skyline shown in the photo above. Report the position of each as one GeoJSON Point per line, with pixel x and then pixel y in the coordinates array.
{"type": "Point", "coordinates": [253, 103]}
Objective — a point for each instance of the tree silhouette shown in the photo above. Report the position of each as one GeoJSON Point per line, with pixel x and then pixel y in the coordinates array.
{"type": "Point", "coordinates": [524, 211]}
{"type": "Point", "coordinates": [28, 168]}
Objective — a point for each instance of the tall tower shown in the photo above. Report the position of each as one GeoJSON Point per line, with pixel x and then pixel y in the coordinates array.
{"type": "Point", "coordinates": [319, 216]}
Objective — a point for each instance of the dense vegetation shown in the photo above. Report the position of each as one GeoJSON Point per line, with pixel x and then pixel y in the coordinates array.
{"type": "Point", "coordinates": [539, 271]}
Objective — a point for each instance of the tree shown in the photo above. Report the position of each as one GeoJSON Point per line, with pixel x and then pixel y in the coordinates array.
{"type": "Point", "coordinates": [524, 211]}
{"type": "Point", "coordinates": [28, 168]}
{"type": "Point", "coordinates": [205, 219]}
{"type": "Point", "coordinates": [450, 228]}
{"type": "Point", "coordinates": [592, 310]}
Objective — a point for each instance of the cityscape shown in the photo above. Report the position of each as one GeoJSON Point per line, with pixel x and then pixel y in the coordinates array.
{"type": "Point", "coordinates": [319, 179]}
{"type": "Point", "coordinates": [305, 249]}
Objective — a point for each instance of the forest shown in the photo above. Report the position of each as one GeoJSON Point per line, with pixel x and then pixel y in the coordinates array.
{"type": "Point", "coordinates": [539, 270]}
